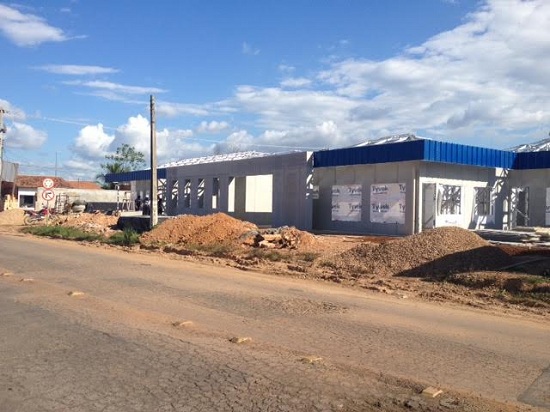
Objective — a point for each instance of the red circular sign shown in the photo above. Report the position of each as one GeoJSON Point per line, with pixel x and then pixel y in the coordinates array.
{"type": "Point", "coordinates": [48, 195]}
{"type": "Point", "coordinates": [48, 183]}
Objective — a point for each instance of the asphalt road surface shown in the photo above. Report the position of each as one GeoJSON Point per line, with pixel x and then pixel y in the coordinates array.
{"type": "Point", "coordinates": [150, 333]}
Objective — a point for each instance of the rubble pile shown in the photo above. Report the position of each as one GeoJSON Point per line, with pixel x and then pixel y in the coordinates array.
{"type": "Point", "coordinates": [197, 230]}
{"type": "Point", "coordinates": [12, 217]}
{"type": "Point", "coordinates": [436, 252]}
{"type": "Point", "coordinates": [279, 238]}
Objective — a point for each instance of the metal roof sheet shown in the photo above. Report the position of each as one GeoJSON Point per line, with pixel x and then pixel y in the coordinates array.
{"type": "Point", "coordinates": [396, 138]}
{"type": "Point", "coordinates": [540, 146]}
{"type": "Point", "coordinates": [216, 158]}
{"type": "Point", "coordinates": [421, 150]}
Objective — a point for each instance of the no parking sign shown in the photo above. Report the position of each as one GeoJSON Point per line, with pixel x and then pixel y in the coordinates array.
{"type": "Point", "coordinates": [48, 183]}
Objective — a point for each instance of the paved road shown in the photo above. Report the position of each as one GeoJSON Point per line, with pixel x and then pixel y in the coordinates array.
{"type": "Point", "coordinates": [115, 348]}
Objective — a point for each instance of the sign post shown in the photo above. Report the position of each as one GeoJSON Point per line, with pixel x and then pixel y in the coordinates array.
{"type": "Point", "coordinates": [48, 194]}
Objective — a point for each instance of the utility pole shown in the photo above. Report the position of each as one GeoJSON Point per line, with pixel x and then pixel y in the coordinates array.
{"type": "Point", "coordinates": [154, 204]}
{"type": "Point", "coordinates": [2, 133]}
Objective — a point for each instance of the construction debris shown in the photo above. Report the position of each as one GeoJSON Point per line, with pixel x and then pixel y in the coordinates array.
{"type": "Point", "coordinates": [514, 236]}
{"type": "Point", "coordinates": [431, 392]}
{"type": "Point", "coordinates": [239, 341]}
{"type": "Point", "coordinates": [183, 324]}
{"type": "Point", "coordinates": [311, 359]}
{"type": "Point", "coordinates": [279, 238]}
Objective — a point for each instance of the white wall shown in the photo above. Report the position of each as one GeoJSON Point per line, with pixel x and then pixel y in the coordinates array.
{"type": "Point", "coordinates": [268, 190]}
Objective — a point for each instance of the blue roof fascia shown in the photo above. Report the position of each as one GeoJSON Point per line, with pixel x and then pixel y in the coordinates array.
{"type": "Point", "coordinates": [386, 153]}
{"type": "Point", "coordinates": [134, 176]}
{"type": "Point", "coordinates": [532, 160]}
{"type": "Point", "coordinates": [444, 152]}
{"type": "Point", "coordinates": [423, 150]}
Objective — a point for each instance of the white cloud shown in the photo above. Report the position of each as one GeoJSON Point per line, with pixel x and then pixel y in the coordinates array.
{"type": "Point", "coordinates": [285, 68]}
{"type": "Point", "coordinates": [318, 136]}
{"type": "Point", "coordinates": [23, 136]}
{"type": "Point", "coordinates": [249, 50]}
{"type": "Point", "coordinates": [27, 29]}
{"type": "Point", "coordinates": [12, 112]}
{"type": "Point", "coordinates": [239, 141]}
{"type": "Point", "coordinates": [172, 144]}
{"type": "Point", "coordinates": [167, 109]}
{"type": "Point", "coordinates": [115, 87]}
{"type": "Point", "coordinates": [283, 110]}
{"type": "Point", "coordinates": [136, 132]}
{"type": "Point", "coordinates": [92, 142]}
{"type": "Point", "coordinates": [295, 82]}
{"type": "Point", "coordinates": [486, 78]}
{"type": "Point", "coordinates": [212, 127]}
{"type": "Point", "coordinates": [76, 70]}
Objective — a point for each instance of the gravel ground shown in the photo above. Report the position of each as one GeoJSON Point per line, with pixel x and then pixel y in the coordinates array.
{"type": "Point", "coordinates": [446, 264]}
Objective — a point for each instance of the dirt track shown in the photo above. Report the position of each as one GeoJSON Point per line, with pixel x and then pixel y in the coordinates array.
{"type": "Point", "coordinates": [448, 265]}
{"type": "Point", "coordinates": [365, 341]}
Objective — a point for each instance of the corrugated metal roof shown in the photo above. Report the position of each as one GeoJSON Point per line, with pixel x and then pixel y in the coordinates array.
{"type": "Point", "coordinates": [216, 158]}
{"type": "Point", "coordinates": [396, 138]}
{"type": "Point", "coordinates": [445, 152]}
{"type": "Point", "coordinates": [413, 150]}
{"type": "Point", "coordinates": [540, 146]}
{"type": "Point", "coordinates": [146, 174]}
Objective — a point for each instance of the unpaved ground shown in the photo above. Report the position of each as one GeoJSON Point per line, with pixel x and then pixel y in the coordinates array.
{"type": "Point", "coordinates": [446, 264]}
{"type": "Point", "coordinates": [314, 346]}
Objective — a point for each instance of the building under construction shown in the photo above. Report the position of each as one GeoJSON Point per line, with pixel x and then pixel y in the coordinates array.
{"type": "Point", "coordinates": [398, 185]}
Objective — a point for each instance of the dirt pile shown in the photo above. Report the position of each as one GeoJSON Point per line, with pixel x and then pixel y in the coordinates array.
{"type": "Point", "coordinates": [433, 253]}
{"type": "Point", "coordinates": [90, 222]}
{"type": "Point", "coordinates": [12, 217]}
{"type": "Point", "coordinates": [197, 230]}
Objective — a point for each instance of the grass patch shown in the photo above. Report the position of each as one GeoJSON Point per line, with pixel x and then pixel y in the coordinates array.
{"type": "Point", "coordinates": [328, 264]}
{"type": "Point", "coordinates": [215, 249]}
{"type": "Point", "coordinates": [265, 254]}
{"type": "Point", "coordinates": [62, 232]}
{"type": "Point", "coordinates": [308, 256]}
{"type": "Point", "coordinates": [127, 237]}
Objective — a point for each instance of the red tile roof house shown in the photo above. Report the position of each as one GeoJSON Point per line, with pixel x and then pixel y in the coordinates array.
{"type": "Point", "coordinates": [32, 194]}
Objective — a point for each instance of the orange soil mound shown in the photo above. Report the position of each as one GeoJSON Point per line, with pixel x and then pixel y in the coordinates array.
{"type": "Point", "coordinates": [198, 230]}
{"type": "Point", "coordinates": [12, 217]}
{"type": "Point", "coordinates": [431, 253]}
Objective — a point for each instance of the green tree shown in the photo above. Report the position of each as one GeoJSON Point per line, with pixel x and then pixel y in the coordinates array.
{"type": "Point", "coordinates": [125, 159]}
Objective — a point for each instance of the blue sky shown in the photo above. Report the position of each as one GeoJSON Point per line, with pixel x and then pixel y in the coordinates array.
{"type": "Point", "coordinates": [269, 76]}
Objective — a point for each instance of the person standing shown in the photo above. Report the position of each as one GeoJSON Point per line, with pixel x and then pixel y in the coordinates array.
{"type": "Point", "coordinates": [146, 206]}
{"type": "Point", "coordinates": [160, 205]}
